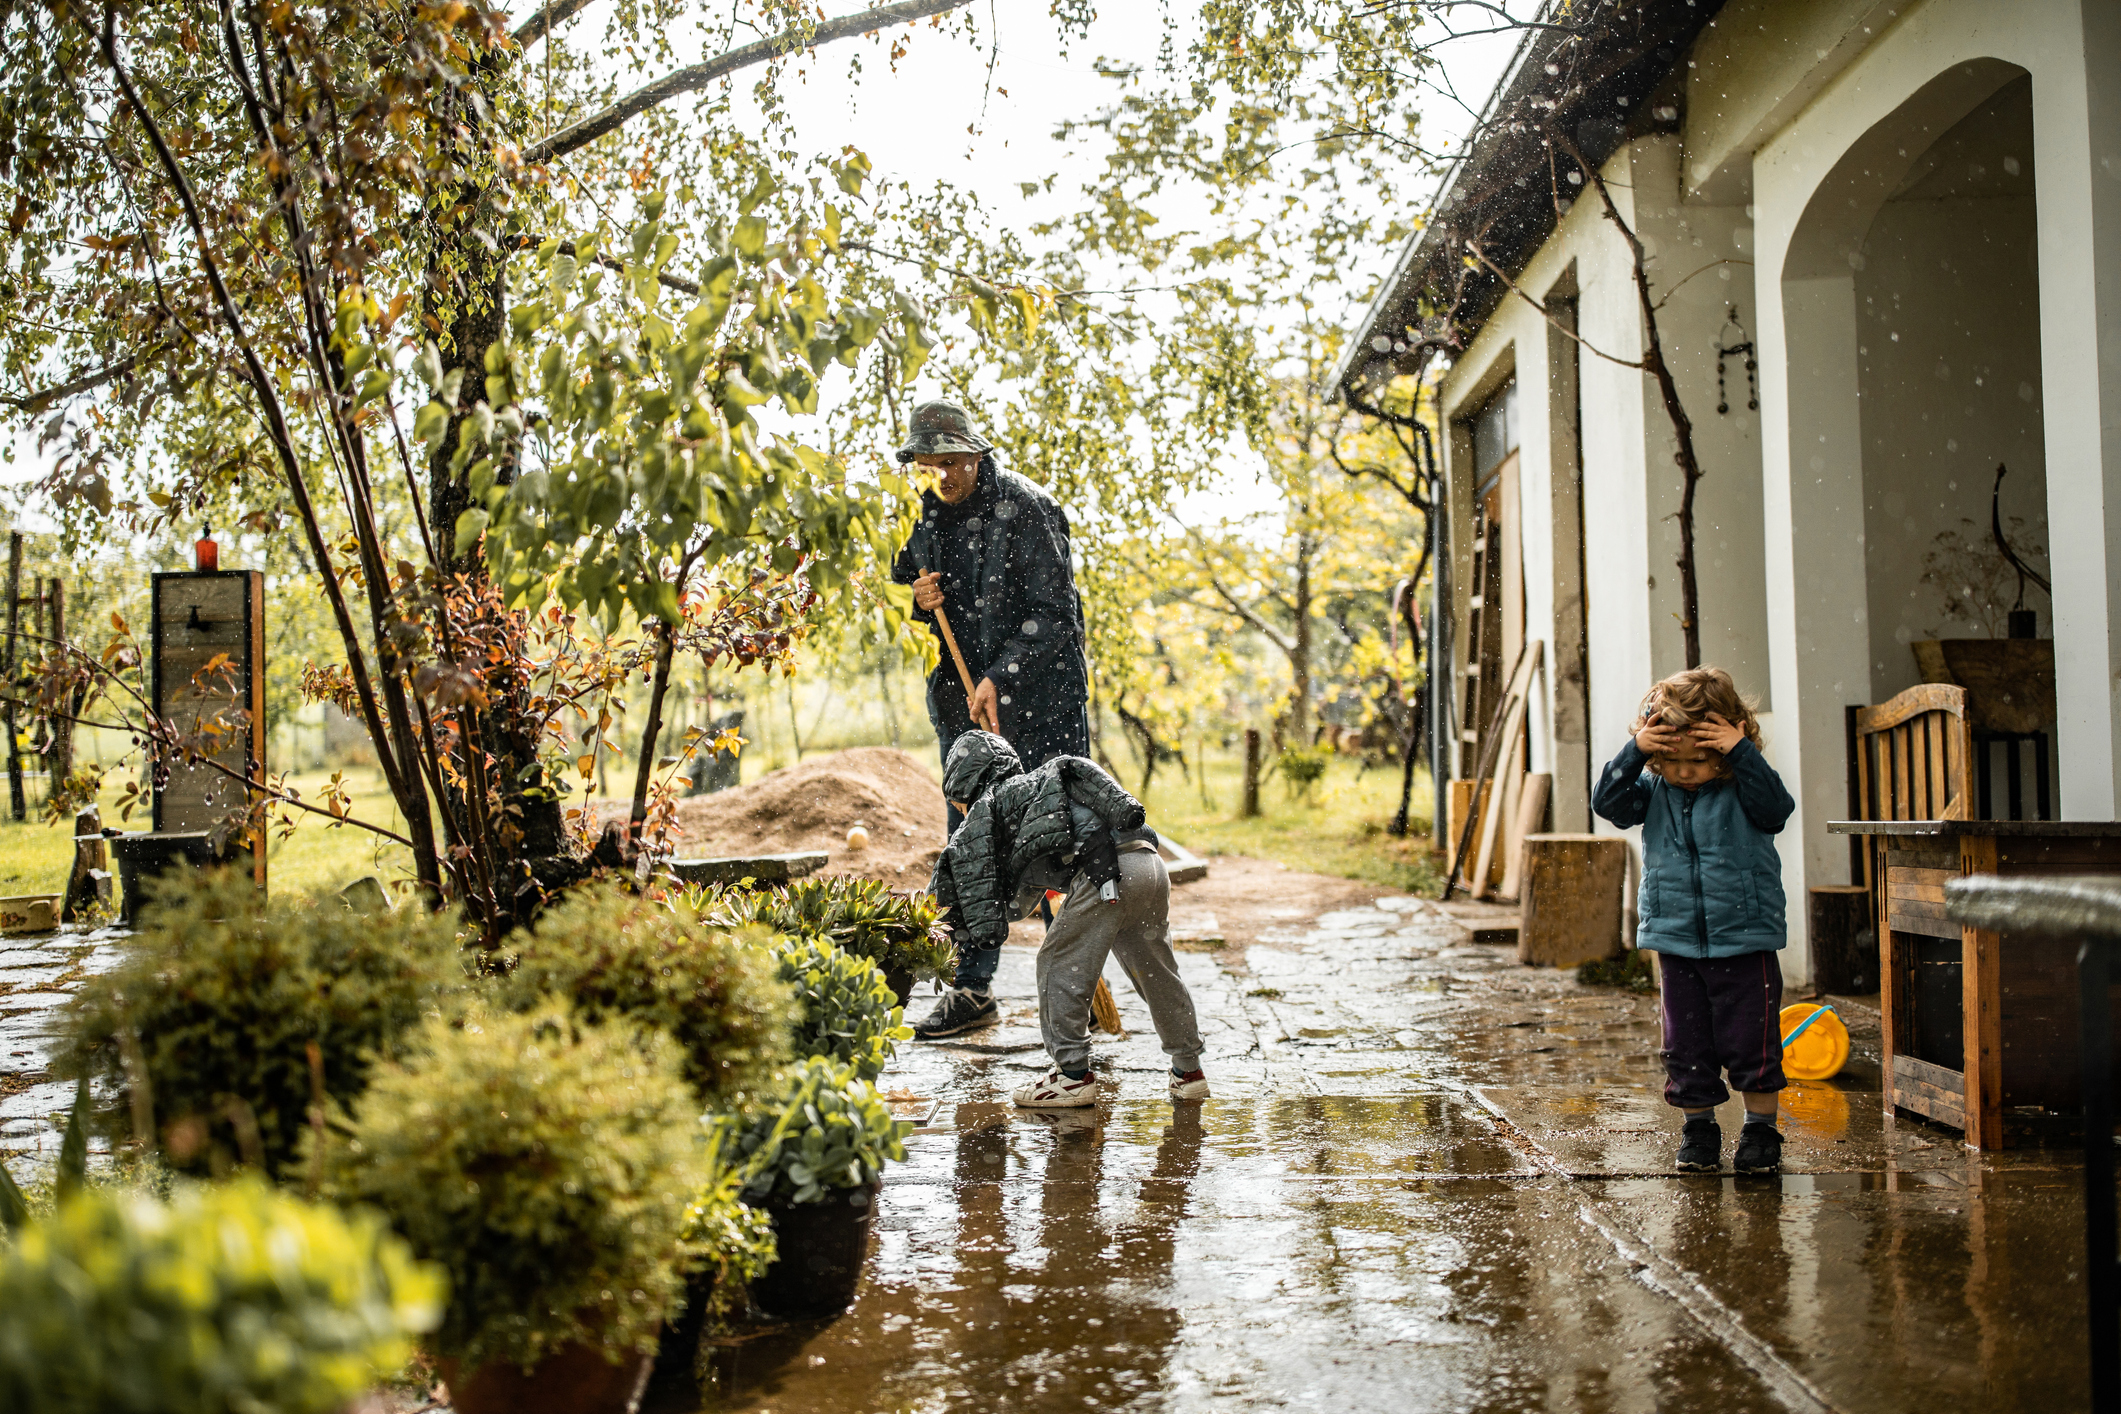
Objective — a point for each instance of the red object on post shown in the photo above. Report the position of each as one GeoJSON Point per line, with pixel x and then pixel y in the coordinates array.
{"type": "Point", "coordinates": [206, 555]}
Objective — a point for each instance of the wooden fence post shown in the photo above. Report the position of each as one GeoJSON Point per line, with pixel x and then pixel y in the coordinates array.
{"type": "Point", "coordinates": [16, 807]}
{"type": "Point", "coordinates": [59, 760]}
{"type": "Point", "coordinates": [1251, 804]}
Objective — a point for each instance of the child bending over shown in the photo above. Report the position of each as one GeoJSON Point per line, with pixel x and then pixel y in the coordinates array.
{"type": "Point", "coordinates": [1711, 901]}
{"type": "Point", "coordinates": [1066, 826]}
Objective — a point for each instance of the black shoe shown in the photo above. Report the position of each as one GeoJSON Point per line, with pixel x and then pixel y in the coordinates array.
{"type": "Point", "coordinates": [1701, 1146]}
{"type": "Point", "coordinates": [960, 1010]}
{"type": "Point", "coordinates": [1759, 1149]}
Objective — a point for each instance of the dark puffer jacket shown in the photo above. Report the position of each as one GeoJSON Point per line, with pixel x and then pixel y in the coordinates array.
{"type": "Point", "coordinates": [1017, 821]}
{"type": "Point", "coordinates": [1009, 588]}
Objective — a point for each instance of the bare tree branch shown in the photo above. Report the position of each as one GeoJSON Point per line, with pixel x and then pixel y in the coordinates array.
{"type": "Point", "coordinates": [549, 17]}
{"type": "Point", "coordinates": [698, 76]}
{"type": "Point", "coordinates": [1639, 365]}
{"type": "Point", "coordinates": [37, 402]}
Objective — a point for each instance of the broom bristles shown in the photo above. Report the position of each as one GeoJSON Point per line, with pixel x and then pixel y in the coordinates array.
{"type": "Point", "coordinates": [1105, 1009]}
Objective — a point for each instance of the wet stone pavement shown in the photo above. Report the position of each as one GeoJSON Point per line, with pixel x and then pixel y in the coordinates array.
{"type": "Point", "coordinates": [37, 974]}
{"type": "Point", "coordinates": [1429, 1179]}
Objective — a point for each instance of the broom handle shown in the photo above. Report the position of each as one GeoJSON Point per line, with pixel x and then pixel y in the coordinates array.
{"type": "Point", "coordinates": [964, 674]}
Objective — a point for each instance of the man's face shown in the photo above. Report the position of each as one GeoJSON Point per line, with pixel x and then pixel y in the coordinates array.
{"type": "Point", "coordinates": [957, 473]}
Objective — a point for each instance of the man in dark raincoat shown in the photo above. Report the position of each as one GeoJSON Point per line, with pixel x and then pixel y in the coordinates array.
{"type": "Point", "coordinates": [991, 551]}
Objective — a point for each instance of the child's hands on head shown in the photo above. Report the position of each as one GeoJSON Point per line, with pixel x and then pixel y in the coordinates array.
{"type": "Point", "coordinates": [1657, 739]}
{"type": "Point", "coordinates": [1716, 734]}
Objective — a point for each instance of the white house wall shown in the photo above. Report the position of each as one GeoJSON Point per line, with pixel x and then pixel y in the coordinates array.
{"type": "Point", "coordinates": [1630, 484]}
{"type": "Point", "coordinates": [1866, 126]}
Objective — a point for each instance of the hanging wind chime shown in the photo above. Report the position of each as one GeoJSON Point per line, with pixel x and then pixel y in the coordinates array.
{"type": "Point", "coordinates": [1743, 345]}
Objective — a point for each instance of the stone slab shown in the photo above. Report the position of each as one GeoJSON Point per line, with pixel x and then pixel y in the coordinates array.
{"type": "Point", "coordinates": [767, 869]}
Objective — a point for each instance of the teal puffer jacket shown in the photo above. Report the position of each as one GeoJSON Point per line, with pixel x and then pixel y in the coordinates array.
{"type": "Point", "coordinates": [1711, 878]}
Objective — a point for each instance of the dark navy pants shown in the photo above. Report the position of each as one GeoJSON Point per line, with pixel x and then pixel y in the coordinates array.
{"type": "Point", "coordinates": [1721, 1014]}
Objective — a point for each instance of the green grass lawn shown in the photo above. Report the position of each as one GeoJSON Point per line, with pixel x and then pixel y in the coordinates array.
{"type": "Point", "coordinates": [317, 858]}
{"type": "Point", "coordinates": [1339, 828]}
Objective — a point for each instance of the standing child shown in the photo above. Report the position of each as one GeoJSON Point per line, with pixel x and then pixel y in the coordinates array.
{"type": "Point", "coordinates": [1068, 826]}
{"type": "Point", "coordinates": [1711, 901]}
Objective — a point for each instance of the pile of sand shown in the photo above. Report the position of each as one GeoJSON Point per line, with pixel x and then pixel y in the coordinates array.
{"type": "Point", "coordinates": [812, 805]}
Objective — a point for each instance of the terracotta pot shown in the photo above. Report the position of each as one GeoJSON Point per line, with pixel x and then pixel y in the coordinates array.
{"type": "Point", "coordinates": [574, 1379]}
{"type": "Point", "coordinates": [822, 1249]}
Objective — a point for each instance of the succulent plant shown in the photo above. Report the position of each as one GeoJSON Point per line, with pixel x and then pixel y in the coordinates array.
{"type": "Point", "coordinates": [898, 932]}
{"type": "Point", "coordinates": [830, 1131]}
{"type": "Point", "coordinates": [848, 1011]}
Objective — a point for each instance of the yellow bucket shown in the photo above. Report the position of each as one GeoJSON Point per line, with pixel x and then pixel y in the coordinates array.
{"type": "Point", "coordinates": [1815, 1045]}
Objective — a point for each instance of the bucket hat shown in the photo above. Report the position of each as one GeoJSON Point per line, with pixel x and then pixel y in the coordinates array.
{"type": "Point", "coordinates": [941, 427]}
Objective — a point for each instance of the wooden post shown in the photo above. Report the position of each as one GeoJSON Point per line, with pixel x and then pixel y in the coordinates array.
{"type": "Point", "coordinates": [1250, 808]}
{"type": "Point", "coordinates": [1982, 993]}
{"type": "Point", "coordinates": [16, 806]}
{"type": "Point", "coordinates": [59, 759]}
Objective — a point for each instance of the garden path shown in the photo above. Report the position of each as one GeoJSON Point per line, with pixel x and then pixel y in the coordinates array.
{"type": "Point", "coordinates": [1428, 1179]}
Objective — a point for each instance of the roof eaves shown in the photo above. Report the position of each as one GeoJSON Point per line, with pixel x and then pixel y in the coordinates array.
{"type": "Point", "coordinates": [1659, 32]}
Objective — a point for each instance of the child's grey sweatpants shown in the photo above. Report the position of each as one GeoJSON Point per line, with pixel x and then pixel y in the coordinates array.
{"type": "Point", "coordinates": [1138, 930]}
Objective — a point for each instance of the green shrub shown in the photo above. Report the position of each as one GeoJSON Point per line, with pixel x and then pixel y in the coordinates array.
{"type": "Point", "coordinates": [225, 994]}
{"type": "Point", "coordinates": [615, 955]}
{"type": "Point", "coordinates": [1630, 970]}
{"type": "Point", "coordinates": [831, 1130]}
{"type": "Point", "coordinates": [898, 932]}
{"type": "Point", "coordinates": [848, 1012]}
{"type": "Point", "coordinates": [1303, 766]}
{"type": "Point", "coordinates": [546, 1166]}
{"type": "Point", "coordinates": [229, 1297]}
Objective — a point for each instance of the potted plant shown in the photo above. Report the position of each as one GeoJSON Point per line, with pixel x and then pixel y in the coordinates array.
{"type": "Point", "coordinates": [238, 1012]}
{"type": "Point", "coordinates": [815, 1165]}
{"type": "Point", "coordinates": [901, 933]}
{"type": "Point", "coordinates": [546, 1165]}
{"type": "Point", "coordinates": [731, 1245]}
{"type": "Point", "coordinates": [231, 1296]}
{"type": "Point", "coordinates": [846, 1010]}
{"type": "Point", "coordinates": [616, 955]}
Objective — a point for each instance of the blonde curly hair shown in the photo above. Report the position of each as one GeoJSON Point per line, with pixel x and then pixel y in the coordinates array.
{"type": "Point", "coordinates": [1684, 699]}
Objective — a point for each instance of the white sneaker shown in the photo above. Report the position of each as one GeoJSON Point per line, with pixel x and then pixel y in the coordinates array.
{"type": "Point", "coordinates": [1055, 1091]}
{"type": "Point", "coordinates": [1185, 1089]}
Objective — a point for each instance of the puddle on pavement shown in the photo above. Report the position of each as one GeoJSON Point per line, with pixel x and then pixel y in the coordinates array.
{"type": "Point", "coordinates": [1374, 1212]}
{"type": "Point", "coordinates": [1260, 1252]}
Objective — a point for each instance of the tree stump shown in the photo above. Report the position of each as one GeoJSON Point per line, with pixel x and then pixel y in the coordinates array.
{"type": "Point", "coordinates": [1844, 940]}
{"type": "Point", "coordinates": [88, 885]}
{"type": "Point", "coordinates": [1574, 888]}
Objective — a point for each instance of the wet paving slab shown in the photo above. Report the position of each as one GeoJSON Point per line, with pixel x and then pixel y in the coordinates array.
{"type": "Point", "coordinates": [1428, 1179]}
{"type": "Point", "coordinates": [38, 973]}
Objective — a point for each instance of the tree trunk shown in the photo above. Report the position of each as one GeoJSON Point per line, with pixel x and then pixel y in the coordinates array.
{"type": "Point", "coordinates": [467, 293]}
{"type": "Point", "coordinates": [1300, 649]}
{"type": "Point", "coordinates": [59, 760]}
{"type": "Point", "coordinates": [644, 773]}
